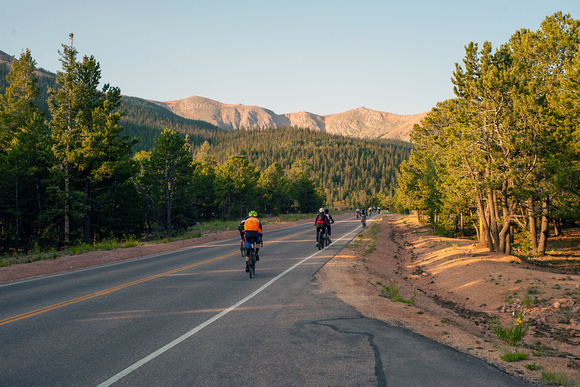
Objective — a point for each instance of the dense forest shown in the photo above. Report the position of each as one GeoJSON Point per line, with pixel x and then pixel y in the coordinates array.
{"type": "Point", "coordinates": [351, 172]}
{"type": "Point", "coordinates": [80, 163]}
{"type": "Point", "coordinates": [504, 155]}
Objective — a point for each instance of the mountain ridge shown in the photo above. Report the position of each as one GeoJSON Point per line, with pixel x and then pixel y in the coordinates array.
{"type": "Point", "coordinates": [360, 122]}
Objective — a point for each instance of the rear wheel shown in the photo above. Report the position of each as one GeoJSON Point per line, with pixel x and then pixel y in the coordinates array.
{"type": "Point", "coordinates": [326, 239]}
{"type": "Point", "coordinates": [252, 263]}
{"type": "Point", "coordinates": [243, 248]}
{"type": "Point", "coordinates": [320, 240]}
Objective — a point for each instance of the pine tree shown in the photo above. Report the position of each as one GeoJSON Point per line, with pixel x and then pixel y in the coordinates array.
{"type": "Point", "coordinates": [64, 108]}
{"type": "Point", "coordinates": [25, 151]}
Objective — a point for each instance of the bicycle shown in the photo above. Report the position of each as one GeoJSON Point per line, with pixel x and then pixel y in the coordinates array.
{"type": "Point", "coordinates": [326, 237]}
{"type": "Point", "coordinates": [364, 221]}
{"type": "Point", "coordinates": [252, 260]}
{"type": "Point", "coordinates": [243, 248]}
{"type": "Point", "coordinates": [322, 239]}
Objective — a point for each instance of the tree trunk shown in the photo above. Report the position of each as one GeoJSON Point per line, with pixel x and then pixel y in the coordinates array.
{"type": "Point", "coordinates": [509, 239]}
{"type": "Point", "coordinates": [485, 231]}
{"type": "Point", "coordinates": [493, 220]}
{"type": "Point", "coordinates": [66, 205]}
{"type": "Point", "coordinates": [533, 230]}
{"type": "Point", "coordinates": [544, 232]}
{"type": "Point", "coordinates": [557, 228]}
{"type": "Point", "coordinates": [87, 217]}
{"type": "Point", "coordinates": [17, 208]}
{"type": "Point", "coordinates": [507, 213]}
{"type": "Point", "coordinates": [477, 232]}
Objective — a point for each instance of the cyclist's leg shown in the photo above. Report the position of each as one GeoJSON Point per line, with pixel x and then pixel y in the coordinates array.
{"type": "Point", "coordinates": [258, 246]}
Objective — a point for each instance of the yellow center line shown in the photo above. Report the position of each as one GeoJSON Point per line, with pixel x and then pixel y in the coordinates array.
{"type": "Point", "coordinates": [120, 287]}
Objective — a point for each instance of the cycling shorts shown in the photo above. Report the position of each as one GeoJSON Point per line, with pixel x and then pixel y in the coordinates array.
{"type": "Point", "coordinates": [251, 237]}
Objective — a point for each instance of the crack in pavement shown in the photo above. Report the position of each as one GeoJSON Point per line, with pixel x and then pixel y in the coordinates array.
{"type": "Point", "coordinates": [379, 373]}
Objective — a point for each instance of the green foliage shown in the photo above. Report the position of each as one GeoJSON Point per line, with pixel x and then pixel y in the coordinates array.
{"type": "Point", "coordinates": [71, 175]}
{"type": "Point", "coordinates": [533, 367]}
{"type": "Point", "coordinates": [392, 289]}
{"type": "Point", "coordinates": [504, 152]}
{"type": "Point", "coordinates": [513, 334]}
{"type": "Point", "coordinates": [514, 356]}
{"type": "Point", "coordinates": [146, 121]}
{"type": "Point", "coordinates": [555, 379]}
{"type": "Point", "coordinates": [373, 230]}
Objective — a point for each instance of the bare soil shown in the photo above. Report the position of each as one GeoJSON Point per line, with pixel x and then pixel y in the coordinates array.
{"type": "Point", "coordinates": [457, 290]}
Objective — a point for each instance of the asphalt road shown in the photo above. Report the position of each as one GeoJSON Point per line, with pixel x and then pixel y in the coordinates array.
{"type": "Point", "coordinates": [194, 318]}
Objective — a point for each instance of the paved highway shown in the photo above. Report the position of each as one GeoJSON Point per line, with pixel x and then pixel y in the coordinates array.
{"type": "Point", "coordinates": [194, 318]}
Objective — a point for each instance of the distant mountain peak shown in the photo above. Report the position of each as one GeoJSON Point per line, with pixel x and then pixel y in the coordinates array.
{"type": "Point", "coordinates": [360, 122]}
{"type": "Point", "coordinates": [5, 57]}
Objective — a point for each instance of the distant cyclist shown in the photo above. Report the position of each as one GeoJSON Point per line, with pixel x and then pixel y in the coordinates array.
{"type": "Point", "coordinates": [241, 229]}
{"type": "Point", "coordinates": [357, 213]}
{"type": "Point", "coordinates": [330, 221]}
{"type": "Point", "coordinates": [321, 222]}
{"type": "Point", "coordinates": [253, 232]}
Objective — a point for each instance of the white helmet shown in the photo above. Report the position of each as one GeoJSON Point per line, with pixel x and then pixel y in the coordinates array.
{"type": "Point", "coordinates": [321, 209]}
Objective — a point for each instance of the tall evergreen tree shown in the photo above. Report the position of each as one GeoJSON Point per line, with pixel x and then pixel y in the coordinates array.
{"type": "Point", "coordinates": [64, 104]}
{"type": "Point", "coordinates": [166, 176]}
{"type": "Point", "coordinates": [25, 152]}
{"type": "Point", "coordinates": [93, 155]}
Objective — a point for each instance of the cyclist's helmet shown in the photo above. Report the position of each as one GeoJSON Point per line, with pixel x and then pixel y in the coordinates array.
{"type": "Point", "coordinates": [326, 210]}
{"type": "Point", "coordinates": [321, 209]}
{"type": "Point", "coordinates": [253, 213]}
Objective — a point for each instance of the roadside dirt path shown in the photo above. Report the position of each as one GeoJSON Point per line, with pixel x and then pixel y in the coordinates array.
{"type": "Point", "coordinates": [457, 290]}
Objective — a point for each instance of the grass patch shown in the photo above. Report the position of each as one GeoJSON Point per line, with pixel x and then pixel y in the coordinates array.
{"type": "Point", "coordinates": [551, 379]}
{"type": "Point", "coordinates": [533, 367]}
{"type": "Point", "coordinates": [373, 236]}
{"type": "Point", "coordinates": [392, 290]}
{"type": "Point", "coordinates": [514, 356]}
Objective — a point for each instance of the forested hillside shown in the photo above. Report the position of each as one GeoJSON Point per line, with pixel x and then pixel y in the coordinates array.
{"type": "Point", "coordinates": [351, 172]}
{"type": "Point", "coordinates": [71, 170]}
{"type": "Point", "coordinates": [141, 119]}
{"type": "Point", "coordinates": [146, 120]}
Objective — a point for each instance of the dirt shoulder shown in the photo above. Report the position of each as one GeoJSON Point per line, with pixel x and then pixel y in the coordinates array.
{"type": "Point", "coordinates": [457, 290]}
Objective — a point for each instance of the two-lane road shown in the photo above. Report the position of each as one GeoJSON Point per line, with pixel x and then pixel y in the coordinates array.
{"type": "Point", "coordinates": [194, 318]}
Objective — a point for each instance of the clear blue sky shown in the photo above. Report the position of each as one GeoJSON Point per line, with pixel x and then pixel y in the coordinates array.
{"type": "Point", "coordinates": [319, 56]}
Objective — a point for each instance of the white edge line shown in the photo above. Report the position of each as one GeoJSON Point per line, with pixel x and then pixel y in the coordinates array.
{"type": "Point", "coordinates": [198, 328]}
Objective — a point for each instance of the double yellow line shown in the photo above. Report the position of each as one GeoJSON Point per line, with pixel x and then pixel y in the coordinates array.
{"type": "Point", "coordinates": [120, 287]}
{"type": "Point", "coordinates": [107, 291]}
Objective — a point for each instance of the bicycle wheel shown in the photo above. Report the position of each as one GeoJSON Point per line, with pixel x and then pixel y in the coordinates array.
{"type": "Point", "coordinates": [243, 248]}
{"type": "Point", "coordinates": [320, 236]}
{"type": "Point", "coordinates": [326, 239]}
{"type": "Point", "coordinates": [252, 263]}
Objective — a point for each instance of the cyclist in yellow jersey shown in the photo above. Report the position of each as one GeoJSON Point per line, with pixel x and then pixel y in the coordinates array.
{"type": "Point", "coordinates": [253, 233]}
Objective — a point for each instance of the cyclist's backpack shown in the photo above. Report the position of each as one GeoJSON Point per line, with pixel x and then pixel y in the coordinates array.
{"type": "Point", "coordinates": [320, 218]}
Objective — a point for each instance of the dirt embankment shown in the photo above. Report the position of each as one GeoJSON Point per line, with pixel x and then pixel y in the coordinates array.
{"type": "Point", "coordinates": [458, 290]}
